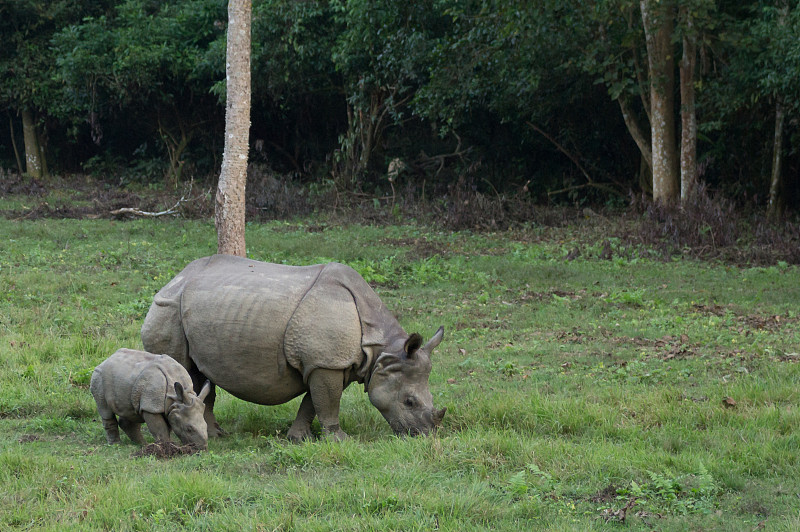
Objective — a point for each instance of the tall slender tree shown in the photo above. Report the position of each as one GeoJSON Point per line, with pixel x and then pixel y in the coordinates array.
{"type": "Point", "coordinates": [658, 21]}
{"type": "Point", "coordinates": [688, 107]}
{"type": "Point", "coordinates": [230, 199]}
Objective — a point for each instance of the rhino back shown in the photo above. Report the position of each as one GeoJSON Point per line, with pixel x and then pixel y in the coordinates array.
{"type": "Point", "coordinates": [234, 314]}
{"type": "Point", "coordinates": [118, 380]}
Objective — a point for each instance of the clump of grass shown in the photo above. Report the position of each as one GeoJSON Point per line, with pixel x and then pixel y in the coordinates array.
{"type": "Point", "coordinates": [709, 226]}
{"type": "Point", "coordinates": [562, 378]}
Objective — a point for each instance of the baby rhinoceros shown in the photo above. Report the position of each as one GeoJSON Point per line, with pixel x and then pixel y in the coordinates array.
{"type": "Point", "coordinates": [139, 387]}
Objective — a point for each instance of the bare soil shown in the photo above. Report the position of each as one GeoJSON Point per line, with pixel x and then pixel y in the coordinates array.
{"type": "Point", "coordinates": [165, 450]}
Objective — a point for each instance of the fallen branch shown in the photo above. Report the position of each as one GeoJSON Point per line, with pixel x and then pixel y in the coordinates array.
{"type": "Point", "coordinates": [137, 212]}
{"type": "Point", "coordinates": [171, 211]}
{"type": "Point", "coordinates": [591, 184]}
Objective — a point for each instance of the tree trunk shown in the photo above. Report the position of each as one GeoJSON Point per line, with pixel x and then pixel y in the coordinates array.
{"type": "Point", "coordinates": [33, 153]}
{"type": "Point", "coordinates": [658, 21]}
{"type": "Point", "coordinates": [775, 184]}
{"type": "Point", "coordinates": [14, 145]}
{"type": "Point", "coordinates": [230, 199]}
{"type": "Point", "coordinates": [688, 114]}
{"type": "Point", "coordinates": [636, 132]}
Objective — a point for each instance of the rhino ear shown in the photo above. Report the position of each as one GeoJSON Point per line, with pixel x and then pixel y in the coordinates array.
{"type": "Point", "coordinates": [204, 391]}
{"type": "Point", "coordinates": [412, 344]}
{"type": "Point", "coordinates": [179, 392]}
{"type": "Point", "coordinates": [434, 341]}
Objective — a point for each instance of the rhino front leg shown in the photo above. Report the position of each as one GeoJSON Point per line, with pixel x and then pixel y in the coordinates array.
{"type": "Point", "coordinates": [157, 426]}
{"type": "Point", "coordinates": [325, 387]}
{"type": "Point", "coordinates": [132, 429]}
{"type": "Point", "coordinates": [214, 430]}
{"type": "Point", "coordinates": [301, 428]}
{"type": "Point", "coordinates": [198, 381]}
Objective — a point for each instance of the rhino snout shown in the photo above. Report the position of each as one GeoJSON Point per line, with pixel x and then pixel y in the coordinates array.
{"type": "Point", "coordinates": [429, 423]}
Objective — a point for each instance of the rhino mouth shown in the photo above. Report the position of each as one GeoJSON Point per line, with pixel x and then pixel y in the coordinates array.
{"type": "Point", "coordinates": [403, 430]}
{"type": "Point", "coordinates": [400, 430]}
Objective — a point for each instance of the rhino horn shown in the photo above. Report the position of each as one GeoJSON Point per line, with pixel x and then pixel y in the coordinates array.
{"type": "Point", "coordinates": [434, 341]}
{"type": "Point", "coordinates": [204, 391]}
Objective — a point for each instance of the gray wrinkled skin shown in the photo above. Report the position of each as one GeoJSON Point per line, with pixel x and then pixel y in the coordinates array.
{"type": "Point", "coordinates": [268, 333]}
{"type": "Point", "coordinates": [134, 387]}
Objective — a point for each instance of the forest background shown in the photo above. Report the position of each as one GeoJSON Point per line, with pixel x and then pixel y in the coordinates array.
{"type": "Point", "coordinates": [545, 102]}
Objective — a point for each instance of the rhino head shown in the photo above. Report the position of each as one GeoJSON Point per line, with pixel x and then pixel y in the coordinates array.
{"type": "Point", "coordinates": [398, 386]}
{"type": "Point", "coordinates": [185, 415]}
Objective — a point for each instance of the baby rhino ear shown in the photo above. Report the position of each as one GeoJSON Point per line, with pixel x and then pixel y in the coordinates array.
{"type": "Point", "coordinates": [180, 392]}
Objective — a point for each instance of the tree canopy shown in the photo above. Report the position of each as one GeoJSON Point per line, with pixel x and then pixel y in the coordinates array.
{"type": "Point", "coordinates": [552, 97]}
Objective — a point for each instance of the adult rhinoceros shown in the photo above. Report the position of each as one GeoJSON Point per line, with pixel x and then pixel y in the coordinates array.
{"type": "Point", "coordinates": [267, 333]}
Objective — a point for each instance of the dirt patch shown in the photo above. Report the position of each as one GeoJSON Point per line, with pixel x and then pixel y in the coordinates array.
{"type": "Point", "coordinates": [572, 337]}
{"type": "Point", "coordinates": [28, 438]}
{"type": "Point", "coordinates": [79, 197]}
{"type": "Point", "coordinates": [420, 248]}
{"type": "Point", "coordinates": [16, 184]}
{"type": "Point", "coordinates": [605, 495]}
{"type": "Point", "coordinates": [750, 321]}
{"type": "Point", "coordinates": [165, 450]}
{"type": "Point", "coordinates": [550, 295]}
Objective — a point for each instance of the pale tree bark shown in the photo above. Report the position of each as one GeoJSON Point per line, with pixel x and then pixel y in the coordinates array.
{"type": "Point", "coordinates": [33, 152]}
{"type": "Point", "coordinates": [636, 132]}
{"type": "Point", "coordinates": [230, 199]}
{"type": "Point", "coordinates": [775, 184]}
{"type": "Point", "coordinates": [658, 21]}
{"type": "Point", "coordinates": [688, 113]}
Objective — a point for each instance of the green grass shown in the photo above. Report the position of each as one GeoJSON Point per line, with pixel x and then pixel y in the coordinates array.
{"type": "Point", "coordinates": [574, 389]}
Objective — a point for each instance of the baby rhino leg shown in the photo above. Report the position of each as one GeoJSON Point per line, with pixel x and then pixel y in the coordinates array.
{"type": "Point", "coordinates": [132, 429]}
{"type": "Point", "coordinates": [112, 430]}
{"type": "Point", "coordinates": [157, 425]}
{"type": "Point", "coordinates": [108, 418]}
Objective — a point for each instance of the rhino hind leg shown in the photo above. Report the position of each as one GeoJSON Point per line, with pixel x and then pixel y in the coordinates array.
{"type": "Point", "coordinates": [325, 387]}
{"type": "Point", "coordinates": [112, 430]}
{"type": "Point", "coordinates": [107, 416]}
{"type": "Point", "coordinates": [301, 428]}
{"type": "Point", "coordinates": [132, 429]}
{"type": "Point", "coordinates": [162, 331]}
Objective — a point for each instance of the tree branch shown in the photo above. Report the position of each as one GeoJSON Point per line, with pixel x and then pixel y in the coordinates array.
{"type": "Point", "coordinates": [562, 150]}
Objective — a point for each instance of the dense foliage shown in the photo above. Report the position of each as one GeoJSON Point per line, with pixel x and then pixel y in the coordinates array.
{"type": "Point", "coordinates": [505, 95]}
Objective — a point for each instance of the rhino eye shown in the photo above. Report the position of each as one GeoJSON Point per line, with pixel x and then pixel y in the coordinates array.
{"type": "Point", "coordinates": [409, 402]}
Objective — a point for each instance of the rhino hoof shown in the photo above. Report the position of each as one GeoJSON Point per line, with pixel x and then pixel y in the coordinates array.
{"type": "Point", "coordinates": [298, 435]}
{"type": "Point", "coordinates": [336, 435]}
{"type": "Point", "coordinates": [215, 431]}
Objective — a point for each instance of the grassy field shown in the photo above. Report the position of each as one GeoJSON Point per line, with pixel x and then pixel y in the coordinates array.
{"type": "Point", "coordinates": [587, 394]}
